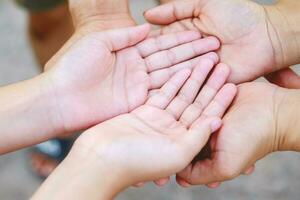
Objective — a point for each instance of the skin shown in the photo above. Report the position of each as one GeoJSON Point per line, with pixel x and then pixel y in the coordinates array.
{"type": "Point", "coordinates": [115, 80]}
{"type": "Point", "coordinates": [238, 25]}
{"type": "Point", "coordinates": [270, 125]}
{"type": "Point", "coordinates": [107, 164]}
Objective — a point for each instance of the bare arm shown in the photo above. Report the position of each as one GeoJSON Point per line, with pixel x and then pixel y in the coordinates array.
{"type": "Point", "coordinates": [284, 18]}
{"type": "Point", "coordinates": [28, 114]}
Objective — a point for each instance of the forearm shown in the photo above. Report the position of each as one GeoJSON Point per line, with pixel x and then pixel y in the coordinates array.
{"type": "Point", "coordinates": [27, 114]}
{"type": "Point", "coordinates": [288, 119]}
{"type": "Point", "coordinates": [80, 177]}
{"type": "Point", "coordinates": [284, 30]}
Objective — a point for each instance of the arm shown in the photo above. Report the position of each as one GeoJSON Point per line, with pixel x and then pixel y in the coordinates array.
{"type": "Point", "coordinates": [28, 114]}
{"type": "Point", "coordinates": [284, 20]}
{"type": "Point", "coordinates": [289, 121]}
{"type": "Point", "coordinates": [102, 14]}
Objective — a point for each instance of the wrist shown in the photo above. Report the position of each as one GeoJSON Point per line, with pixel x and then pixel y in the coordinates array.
{"type": "Point", "coordinates": [283, 20]}
{"type": "Point", "coordinates": [101, 11]}
{"type": "Point", "coordinates": [288, 119]}
{"type": "Point", "coordinates": [81, 171]}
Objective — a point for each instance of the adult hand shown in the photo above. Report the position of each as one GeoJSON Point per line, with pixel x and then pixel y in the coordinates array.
{"type": "Point", "coordinates": [286, 78]}
{"type": "Point", "coordinates": [103, 75]}
{"type": "Point", "coordinates": [252, 42]}
{"type": "Point", "coordinates": [254, 126]}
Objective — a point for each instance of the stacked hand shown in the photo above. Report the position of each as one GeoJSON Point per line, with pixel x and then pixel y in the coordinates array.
{"type": "Point", "coordinates": [110, 76]}
{"type": "Point", "coordinates": [250, 44]}
{"type": "Point", "coordinates": [160, 102]}
{"type": "Point", "coordinates": [156, 140]}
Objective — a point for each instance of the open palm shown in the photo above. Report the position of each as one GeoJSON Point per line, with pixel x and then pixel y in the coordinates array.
{"type": "Point", "coordinates": [242, 26]}
{"type": "Point", "coordinates": [103, 75]}
{"type": "Point", "coordinates": [168, 131]}
{"type": "Point", "coordinates": [248, 134]}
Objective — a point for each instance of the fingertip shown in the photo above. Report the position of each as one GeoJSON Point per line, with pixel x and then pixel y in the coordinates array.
{"type": "Point", "coordinates": [213, 56]}
{"type": "Point", "coordinates": [214, 42]}
{"type": "Point", "coordinates": [213, 185]}
{"type": "Point", "coordinates": [215, 124]}
{"type": "Point", "coordinates": [223, 69]}
{"type": "Point", "coordinates": [249, 171]}
{"type": "Point", "coordinates": [162, 182]}
{"type": "Point", "coordinates": [138, 185]}
{"type": "Point", "coordinates": [182, 182]}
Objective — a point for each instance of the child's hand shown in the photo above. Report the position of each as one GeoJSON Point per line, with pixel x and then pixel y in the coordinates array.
{"type": "Point", "coordinates": [104, 75]}
{"type": "Point", "coordinates": [161, 137]}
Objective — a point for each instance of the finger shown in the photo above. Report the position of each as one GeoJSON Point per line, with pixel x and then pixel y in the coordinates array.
{"type": "Point", "coordinates": [164, 42]}
{"type": "Point", "coordinates": [173, 56]}
{"type": "Point", "coordinates": [202, 172]}
{"type": "Point", "coordinates": [190, 89]}
{"type": "Point", "coordinates": [182, 182]}
{"type": "Point", "coordinates": [141, 184]}
{"type": "Point", "coordinates": [167, 93]}
{"type": "Point", "coordinates": [286, 78]}
{"type": "Point", "coordinates": [199, 133]}
{"type": "Point", "coordinates": [249, 171]}
{"type": "Point", "coordinates": [159, 77]}
{"type": "Point", "coordinates": [177, 10]}
{"type": "Point", "coordinates": [206, 95]}
{"type": "Point", "coordinates": [162, 182]}
{"type": "Point", "coordinates": [221, 102]}
{"type": "Point", "coordinates": [126, 37]}
{"type": "Point", "coordinates": [213, 185]}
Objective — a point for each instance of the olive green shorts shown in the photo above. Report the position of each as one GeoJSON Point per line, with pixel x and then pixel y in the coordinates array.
{"type": "Point", "coordinates": [39, 5]}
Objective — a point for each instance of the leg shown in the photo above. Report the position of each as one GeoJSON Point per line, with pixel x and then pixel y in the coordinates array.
{"type": "Point", "coordinates": [48, 31]}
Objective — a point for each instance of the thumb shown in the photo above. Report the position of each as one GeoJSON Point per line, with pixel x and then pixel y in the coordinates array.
{"type": "Point", "coordinates": [286, 78]}
{"type": "Point", "coordinates": [200, 132]}
{"type": "Point", "coordinates": [174, 11]}
{"type": "Point", "coordinates": [121, 38]}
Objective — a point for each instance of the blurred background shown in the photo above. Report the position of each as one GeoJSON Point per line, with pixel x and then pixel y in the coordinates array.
{"type": "Point", "coordinates": [276, 178]}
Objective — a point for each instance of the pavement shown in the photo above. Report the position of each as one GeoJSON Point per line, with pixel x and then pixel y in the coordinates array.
{"type": "Point", "coordinates": [277, 177]}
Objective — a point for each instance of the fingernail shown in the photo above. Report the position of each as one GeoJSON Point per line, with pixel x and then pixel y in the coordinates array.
{"type": "Point", "coordinates": [215, 125]}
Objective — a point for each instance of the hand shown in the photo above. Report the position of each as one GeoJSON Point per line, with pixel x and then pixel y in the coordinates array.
{"type": "Point", "coordinates": [286, 78]}
{"type": "Point", "coordinates": [251, 130]}
{"type": "Point", "coordinates": [166, 133]}
{"type": "Point", "coordinates": [103, 75]}
{"type": "Point", "coordinates": [249, 43]}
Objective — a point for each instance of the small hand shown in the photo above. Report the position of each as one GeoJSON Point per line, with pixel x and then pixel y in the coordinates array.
{"type": "Point", "coordinates": [163, 136]}
{"type": "Point", "coordinates": [248, 134]}
{"type": "Point", "coordinates": [242, 27]}
{"type": "Point", "coordinates": [104, 75]}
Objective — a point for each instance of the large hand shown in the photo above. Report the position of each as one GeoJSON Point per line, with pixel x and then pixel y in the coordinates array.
{"type": "Point", "coordinates": [161, 137]}
{"type": "Point", "coordinates": [94, 81]}
{"type": "Point", "coordinates": [250, 131]}
{"type": "Point", "coordinates": [246, 34]}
